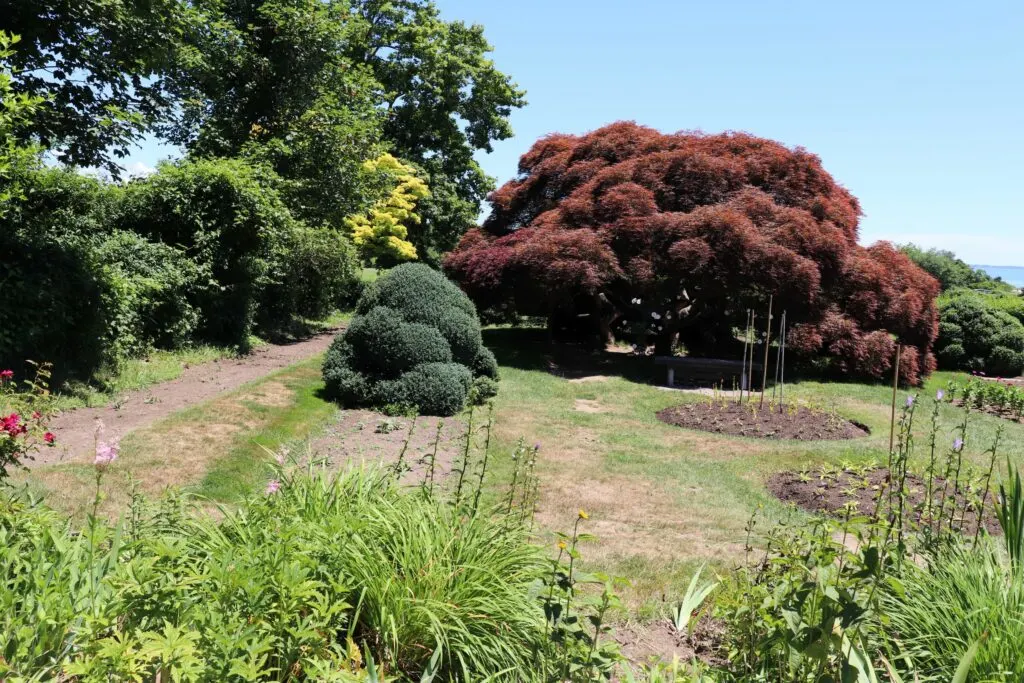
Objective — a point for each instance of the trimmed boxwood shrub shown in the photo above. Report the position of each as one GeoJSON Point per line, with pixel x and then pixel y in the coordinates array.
{"type": "Point", "coordinates": [976, 334]}
{"type": "Point", "coordinates": [415, 341]}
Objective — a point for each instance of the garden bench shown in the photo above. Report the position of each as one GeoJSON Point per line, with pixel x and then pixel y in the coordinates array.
{"type": "Point", "coordinates": [706, 370]}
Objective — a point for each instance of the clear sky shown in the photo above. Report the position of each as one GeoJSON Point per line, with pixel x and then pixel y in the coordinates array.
{"type": "Point", "coordinates": [916, 107]}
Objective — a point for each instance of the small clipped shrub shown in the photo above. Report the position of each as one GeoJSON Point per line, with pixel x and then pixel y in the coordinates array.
{"type": "Point", "coordinates": [415, 341]}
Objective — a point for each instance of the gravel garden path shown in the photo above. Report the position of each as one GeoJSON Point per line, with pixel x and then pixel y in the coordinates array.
{"type": "Point", "coordinates": [75, 429]}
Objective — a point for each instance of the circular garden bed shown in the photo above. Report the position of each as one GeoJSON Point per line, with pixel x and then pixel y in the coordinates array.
{"type": "Point", "coordinates": [830, 491]}
{"type": "Point", "coordinates": [747, 419]}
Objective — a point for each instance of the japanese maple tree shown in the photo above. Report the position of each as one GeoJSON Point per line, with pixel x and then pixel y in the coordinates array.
{"type": "Point", "coordinates": [672, 237]}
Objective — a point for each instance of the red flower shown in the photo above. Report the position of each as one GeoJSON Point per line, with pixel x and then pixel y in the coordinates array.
{"type": "Point", "coordinates": [6, 374]}
{"type": "Point", "coordinates": [49, 438]}
{"type": "Point", "coordinates": [12, 424]}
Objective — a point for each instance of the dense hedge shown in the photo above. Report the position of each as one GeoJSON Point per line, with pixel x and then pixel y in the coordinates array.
{"type": "Point", "coordinates": [415, 341]}
{"type": "Point", "coordinates": [201, 251]}
{"type": "Point", "coordinates": [977, 334]}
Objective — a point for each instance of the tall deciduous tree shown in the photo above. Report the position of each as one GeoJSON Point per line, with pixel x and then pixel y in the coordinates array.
{"type": "Point", "coordinates": [678, 235]}
{"type": "Point", "coordinates": [444, 100]}
{"type": "Point", "coordinates": [99, 65]}
{"type": "Point", "coordinates": [270, 79]}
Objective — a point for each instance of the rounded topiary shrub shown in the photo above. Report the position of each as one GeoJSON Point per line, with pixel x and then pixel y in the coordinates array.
{"type": "Point", "coordinates": [415, 341]}
{"type": "Point", "coordinates": [975, 334]}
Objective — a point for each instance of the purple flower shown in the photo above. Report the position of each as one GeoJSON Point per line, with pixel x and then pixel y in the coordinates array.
{"type": "Point", "coordinates": [958, 444]}
{"type": "Point", "coordinates": [536, 446]}
{"type": "Point", "coordinates": [910, 401]}
{"type": "Point", "coordinates": [939, 395]}
{"type": "Point", "coordinates": [106, 453]}
{"type": "Point", "coordinates": [273, 486]}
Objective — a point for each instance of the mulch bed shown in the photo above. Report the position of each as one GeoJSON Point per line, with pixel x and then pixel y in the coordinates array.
{"type": "Point", "coordinates": [742, 419]}
{"type": "Point", "coordinates": [828, 493]}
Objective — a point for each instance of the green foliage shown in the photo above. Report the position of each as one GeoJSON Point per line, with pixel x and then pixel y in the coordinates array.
{"type": "Point", "coordinates": [434, 388]}
{"type": "Point", "coordinates": [453, 103]}
{"type": "Point", "coordinates": [415, 341]}
{"type": "Point", "coordinates": [977, 334]}
{"type": "Point", "coordinates": [98, 65]}
{"type": "Point", "coordinates": [959, 598]}
{"type": "Point", "coordinates": [322, 575]}
{"type": "Point", "coordinates": [689, 606]}
{"type": "Point", "coordinates": [16, 115]}
{"type": "Point", "coordinates": [1010, 512]}
{"type": "Point", "coordinates": [485, 363]}
{"type": "Point", "coordinates": [482, 390]}
{"type": "Point", "coordinates": [222, 213]}
{"type": "Point", "coordinates": [952, 272]}
{"type": "Point", "coordinates": [151, 289]}
{"type": "Point", "coordinates": [318, 274]}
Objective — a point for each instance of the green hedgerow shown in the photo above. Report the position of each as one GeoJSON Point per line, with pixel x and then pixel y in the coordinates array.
{"type": "Point", "coordinates": [416, 341]}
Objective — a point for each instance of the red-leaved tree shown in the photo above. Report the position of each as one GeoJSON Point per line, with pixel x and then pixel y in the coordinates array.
{"type": "Point", "coordinates": [673, 237]}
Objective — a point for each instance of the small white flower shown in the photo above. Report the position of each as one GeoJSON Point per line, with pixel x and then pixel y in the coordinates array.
{"type": "Point", "coordinates": [655, 315]}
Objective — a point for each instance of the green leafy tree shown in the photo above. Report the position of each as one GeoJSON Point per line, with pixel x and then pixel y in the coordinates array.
{"type": "Point", "coordinates": [16, 111]}
{"type": "Point", "coordinates": [950, 271]}
{"type": "Point", "coordinates": [444, 99]}
{"type": "Point", "coordinates": [99, 65]}
{"type": "Point", "coordinates": [269, 80]}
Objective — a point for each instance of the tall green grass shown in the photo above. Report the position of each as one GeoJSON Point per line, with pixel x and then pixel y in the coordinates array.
{"type": "Point", "coordinates": [312, 580]}
{"type": "Point", "coordinates": [961, 597]}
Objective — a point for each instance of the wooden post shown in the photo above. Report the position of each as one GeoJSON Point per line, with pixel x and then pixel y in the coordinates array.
{"type": "Point", "coordinates": [895, 387]}
{"type": "Point", "coordinates": [767, 338]}
{"type": "Point", "coordinates": [746, 343]}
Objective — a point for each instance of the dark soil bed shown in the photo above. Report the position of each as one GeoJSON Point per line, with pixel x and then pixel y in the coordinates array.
{"type": "Point", "coordinates": [642, 643]}
{"type": "Point", "coordinates": [828, 493]}
{"type": "Point", "coordinates": [745, 419]}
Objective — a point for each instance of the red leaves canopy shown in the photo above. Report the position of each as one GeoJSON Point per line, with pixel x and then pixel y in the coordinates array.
{"type": "Point", "coordinates": [698, 228]}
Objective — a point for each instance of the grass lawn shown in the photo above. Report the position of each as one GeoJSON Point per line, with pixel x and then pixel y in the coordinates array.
{"type": "Point", "coordinates": [662, 500]}
{"type": "Point", "coordinates": [216, 450]}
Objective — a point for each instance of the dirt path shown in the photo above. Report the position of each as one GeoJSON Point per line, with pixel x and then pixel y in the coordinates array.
{"type": "Point", "coordinates": [75, 430]}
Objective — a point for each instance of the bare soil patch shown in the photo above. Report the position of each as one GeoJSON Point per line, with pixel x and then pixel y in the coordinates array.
{"type": "Point", "coordinates": [828, 493]}
{"type": "Point", "coordinates": [642, 643]}
{"type": "Point", "coordinates": [199, 383]}
{"type": "Point", "coordinates": [745, 419]}
{"type": "Point", "coordinates": [366, 437]}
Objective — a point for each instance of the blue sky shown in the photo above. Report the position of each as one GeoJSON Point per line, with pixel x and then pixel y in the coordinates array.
{"type": "Point", "coordinates": [916, 107]}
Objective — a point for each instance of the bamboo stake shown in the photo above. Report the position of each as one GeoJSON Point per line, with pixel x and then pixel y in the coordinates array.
{"type": "Point", "coordinates": [767, 338]}
{"type": "Point", "coordinates": [782, 364]}
{"type": "Point", "coordinates": [895, 387]}
{"type": "Point", "coordinates": [746, 343]}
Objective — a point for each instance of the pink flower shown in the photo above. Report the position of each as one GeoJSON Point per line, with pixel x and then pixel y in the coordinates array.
{"type": "Point", "coordinates": [106, 453]}
{"type": "Point", "coordinates": [49, 438]}
{"type": "Point", "coordinates": [280, 459]}
{"type": "Point", "coordinates": [273, 486]}
{"type": "Point", "coordinates": [6, 374]}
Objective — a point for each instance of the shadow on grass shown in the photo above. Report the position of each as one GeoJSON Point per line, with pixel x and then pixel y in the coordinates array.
{"type": "Point", "coordinates": [531, 349]}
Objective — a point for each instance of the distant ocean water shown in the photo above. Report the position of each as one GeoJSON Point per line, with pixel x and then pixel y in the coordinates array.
{"type": "Point", "coordinates": [1012, 274]}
